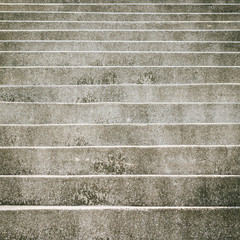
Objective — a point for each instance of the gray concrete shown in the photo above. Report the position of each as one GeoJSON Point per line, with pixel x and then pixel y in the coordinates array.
{"type": "Point", "coordinates": [216, 160]}
{"type": "Point", "coordinates": [119, 34]}
{"type": "Point", "coordinates": [171, 8]}
{"type": "Point", "coordinates": [30, 113]}
{"type": "Point", "coordinates": [120, 46]}
{"type": "Point", "coordinates": [117, 75]}
{"type": "Point", "coordinates": [118, 25]}
{"type": "Point", "coordinates": [129, 109]}
{"type": "Point", "coordinates": [119, 223]}
{"type": "Point", "coordinates": [118, 59]}
{"type": "Point", "coordinates": [121, 1]}
{"type": "Point", "coordinates": [122, 93]}
{"type": "Point", "coordinates": [77, 16]}
{"type": "Point", "coordinates": [120, 190]}
{"type": "Point", "coordinates": [119, 134]}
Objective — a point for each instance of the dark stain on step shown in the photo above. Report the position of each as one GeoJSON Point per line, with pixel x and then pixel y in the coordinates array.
{"type": "Point", "coordinates": [80, 141]}
{"type": "Point", "coordinates": [105, 78]}
{"type": "Point", "coordinates": [114, 164]}
{"type": "Point", "coordinates": [9, 97]}
{"type": "Point", "coordinates": [109, 78]}
{"type": "Point", "coordinates": [89, 195]}
{"type": "Point", "coordinates": [147, 78]}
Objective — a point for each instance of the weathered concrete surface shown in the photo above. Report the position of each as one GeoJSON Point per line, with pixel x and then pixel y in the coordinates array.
{"type": "Point", "coordinates": [119, 59]}
{"type": "Point", "coordinates": [119, 134]}
{"type": "Point", "coordinates": [118, 35]}
{"type": "Point", "coordinates": [128, 8]}
{"type": "Point", "coordinates": [122, 1]}
{"type": "Point", "coordinates": [119, 223]}
{"type": "Point", "coordinates": [122, 93]}
{"type": "Point", "coordinates": [120, 46]}
{"type": "Point", "coordinates": [218, 160]}
{"type": "Point", "coordinates": [78, 16]}
{"type": "Point", "coordinates": [117, 75]}
{"type": "Point", "coordinates": [119, 25]}
{"type": "Point", "coordinates": [120, 190]}
{"type": "Point", "coordinates": [104, 113]}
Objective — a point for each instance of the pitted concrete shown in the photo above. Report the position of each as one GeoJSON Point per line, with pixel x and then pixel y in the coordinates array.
{"type": "Point", "coordinates": [214, 93]}
{"type": "Point", "coordinates": [176, 46]}
{"type": "Point", "coordinates": [120, 190]}
{"type": "Point", "coordinates": [120, 223]}
{"type": "Point", "coordinates": [78, 16]}
{"type": "Point", "coordinates": [119, 34]}
{"type": "Point", "coordinates": [119, 134]}
{"type": "Point", "coordinates": [117, 75]}
{"type": "Point", "coordinates": [109, 113]}
{"type": "Point", "coordinates": [130, 109]}
{"type": "Point", "coordinates": [121, 160]}
{"type": "Point", "coordinates": [120, 25]}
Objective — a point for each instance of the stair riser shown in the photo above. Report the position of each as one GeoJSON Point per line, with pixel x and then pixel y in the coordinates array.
{"type": "Point", "coordinates": [125, 8]}
{"type": "Point", "coordinates": [119, 35]}
{"type": "Point", "coordinates": [124, 93]}
{"type": "Point", "coordinates": [118, 113]}
{"type": "Point", "coordinates": [120, 191]}
{"type": "Point", "coordinates": [118, 59]}
{"type": "Point", "coordinates": [120, 160]}
{"type": "Point", "coordinates": [119, 46]}
{"type": "Point", "coordinates": [119, 25]}
{"type": "Point", "coordinates": [120, 75]}
{"type": "Point", "coordinates": [162, 224]}
{"type": "Point", "coordinates": [118, 135]}
{"type": "Point", "coordinates": [69, 16]}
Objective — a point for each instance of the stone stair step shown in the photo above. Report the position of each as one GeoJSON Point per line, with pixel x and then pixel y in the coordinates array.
{"type": "Point", "coordinates": [119, 134]}
{"type": "Point", "coordinates": [168, 25]}
{"type": "Point", "coordinates": [111, 58]}
{"type": "Point", "coordinates": [122, 93]}
{"type": "Point", "coordinates": [128, 190]}
{"type": "Point", "coordinates": [121, 34]}
{"type": "Point", "coordinates": [175, 160]}
{"type": "Point", "coordinates": [117, 75]}
{"type": "Point", "coordinates": [130, 7]}
{"type": "Point", "coordinates": [105, 113]}
{"type": "Point", "coordinates": [163, 223]}
{"type": "Point", "coordinates": [91, 16]}
{"type": "Point", "coordinates": [174, 46]}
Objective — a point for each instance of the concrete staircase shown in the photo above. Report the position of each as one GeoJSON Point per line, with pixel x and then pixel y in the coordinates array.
{"type": "Point", "coordinates": [120, 119]}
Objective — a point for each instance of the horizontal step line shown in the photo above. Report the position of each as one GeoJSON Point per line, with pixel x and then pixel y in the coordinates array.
{"type": "Point", "coordinates": [119, 176]}
{"type": "Point", "coordinates": [118, 147]}
{"type": "Point", "coordinates": [121, 85]}
{"type": "Point", "coordinates": [94, 67]}
{"type": "Point", "coordinates": [127, 22]}
{"type": "Point", "coordinates": [119, 124]}
{"type": "Point", "coordinates": [125, 13]}
{"type": "Point", "coordinates": [121, 103]}
{"type": "Point", "coordinates": [118, 30]}
{"type": "Point", "coordinates": [123, 4]}
{"type": "Point", "coordinates": [113, 41]}
{"type": "Point", "coordinates": [134, 52]}
{"type": "Point", "coordinates": [89, 208]}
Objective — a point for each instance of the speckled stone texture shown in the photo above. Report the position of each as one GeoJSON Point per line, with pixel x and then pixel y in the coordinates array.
{"type": "Point", "coordinates": [120, 223]}
{"type": "Point", "coordinates": [119, 120]}
{"type": "Point", "coordinates": [192, 160]}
